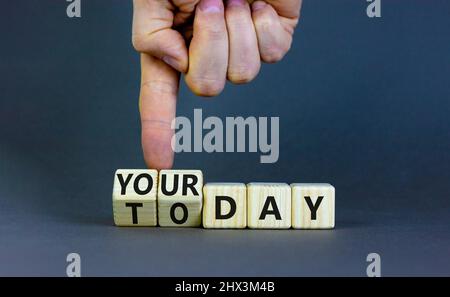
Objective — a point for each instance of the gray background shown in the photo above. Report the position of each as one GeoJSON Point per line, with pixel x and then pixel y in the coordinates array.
{"type": "Point", "coordinates": [363, 104]}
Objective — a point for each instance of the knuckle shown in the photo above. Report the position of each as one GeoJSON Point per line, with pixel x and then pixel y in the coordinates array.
{"type": "Point", "coordinates": [138, 43]}
{"type": "Point", "coordinates": [159, 87]}
{"type": "Point", "coordinates": [155, 124]}
{"type": "Point", "coordinates": [237, 20]}
{"type": "Point", "coordinates": [266, 23]}
{"type": "Point", "coordinates": [213, 30]}
{"type": "Point", "coordinates": [238, 25]}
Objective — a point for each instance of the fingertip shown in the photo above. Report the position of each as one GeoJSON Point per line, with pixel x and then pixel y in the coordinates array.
{"type": "Point", "coordinates": [243, 75]}
{"type": "Point", "coordinates": [158, 164]}
{"type": "Point", "coordinates": [205, 87]}
{"type": "Point", "coordinates": [158, 153]}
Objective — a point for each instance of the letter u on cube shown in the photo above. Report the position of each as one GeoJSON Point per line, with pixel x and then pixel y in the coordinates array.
{"type": "Point", "coordinates": [177, 198]}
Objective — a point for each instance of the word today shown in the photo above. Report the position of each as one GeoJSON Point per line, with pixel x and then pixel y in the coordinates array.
{"type": "Point", "coordinates": [178, 198]}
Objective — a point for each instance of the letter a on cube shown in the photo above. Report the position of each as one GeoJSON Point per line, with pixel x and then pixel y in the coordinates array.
{"type": "Point", "coordinates": [180, 198]}
{"type": "Point", "coordinates": [313, 206]}
{"type": "Point", "coordinates": [134, 197]}
{"type": "Point", "coordinates": [225, 205]}
{"type": "Point", "coordinates": [269, 205]}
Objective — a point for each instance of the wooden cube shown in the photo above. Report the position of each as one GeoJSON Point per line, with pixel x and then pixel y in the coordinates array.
{"type": "Point", "coordinates": [180, 198]}
{"type": "Point", "coordinates": [313, 206]}
{"type": "Point", "coordinates": [269, 205]}
{"type": "Point", "coordinates": [134, 197]}
{"type": "Point", "coordinates": [225, 205]}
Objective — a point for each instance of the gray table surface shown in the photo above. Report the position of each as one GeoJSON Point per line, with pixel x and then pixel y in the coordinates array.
{"type": "Point", "coordinates": [363, 103]}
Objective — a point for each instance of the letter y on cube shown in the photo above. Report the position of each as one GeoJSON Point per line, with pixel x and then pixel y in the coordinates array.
{"type": "Point", "coordinates": [313, 206]}
{"type": "Point", "coordinates": [134, 197]}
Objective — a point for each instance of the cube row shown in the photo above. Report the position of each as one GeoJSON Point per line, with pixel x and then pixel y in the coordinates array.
{"type": "Point", "coordinates": [177, 198]}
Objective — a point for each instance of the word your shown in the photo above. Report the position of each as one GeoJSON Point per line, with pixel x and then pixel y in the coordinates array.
{"type": "Point", "coordinates": [74, 9]}
{"type": "Point", "coordinates": [178, 198]}
{"type": "Point", "coordinates": [374, 9]}
{"type": "Point", "coordinates": [215, 142]}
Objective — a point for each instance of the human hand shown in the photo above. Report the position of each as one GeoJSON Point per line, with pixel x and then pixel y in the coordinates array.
{"type": "Point", "coordinates": [227, 43]}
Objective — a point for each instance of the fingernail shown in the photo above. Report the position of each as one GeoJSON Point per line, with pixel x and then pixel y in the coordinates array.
{"type": "Point", "coordinates": [171, 62]}
{"type": "Point", "coordinates": [236, 2]}
{"type": "Point", "coordinates": [211, 5]}
{"type": "Point", "coordinates": [258, 5]}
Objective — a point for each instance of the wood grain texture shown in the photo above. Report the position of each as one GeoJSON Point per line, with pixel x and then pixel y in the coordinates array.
{"type": "Point", "coordinates": [302, 215]}
{"type": "Point", "coordinates": [258, 196]}
{"type": "Point", "coordinates": [180, 198]}
{"type": "Point", "coordinates": [135, 189]}
{"type": "Point", "coordinates": [212, 193]}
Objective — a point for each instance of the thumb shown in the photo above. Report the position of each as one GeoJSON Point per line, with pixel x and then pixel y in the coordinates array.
{"type": "Point", "coordinates": [157, 105]}
{"type": "Point", "coordinates": [153, 33]}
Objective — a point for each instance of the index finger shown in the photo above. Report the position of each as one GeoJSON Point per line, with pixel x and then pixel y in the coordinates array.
{"type": "Point", "coordinates": [157, 105]}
